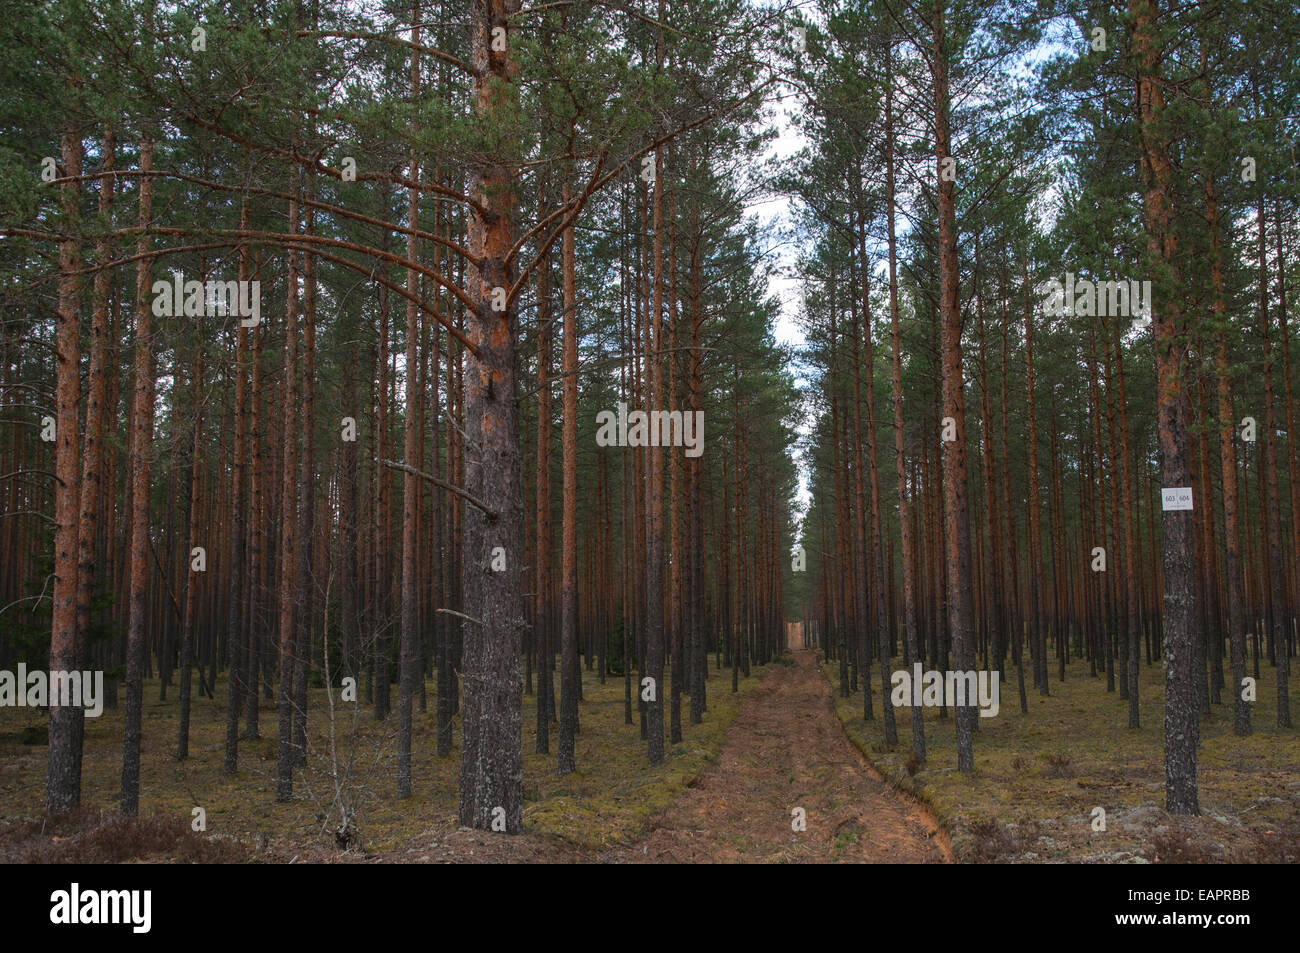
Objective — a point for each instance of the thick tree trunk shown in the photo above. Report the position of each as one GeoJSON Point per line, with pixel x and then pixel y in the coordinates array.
{"type": "Point", "coordinates": [491, 775]}
{"type": "Point", "coordinates": [1182, 724]}
{"type": "Point", "coordinates": [955, 512]}
{"type": "Point", "coordinates": [63, 777]}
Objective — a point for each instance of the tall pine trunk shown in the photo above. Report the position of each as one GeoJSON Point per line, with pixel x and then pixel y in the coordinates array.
{"type": "Point", "coordinates": [63, 777]}
{"type": "Point", "coordinates": [1182, 722]}
{"type": "Point", "coordinates": [955, 513]}
{"type": "Point", "coordinates": [569, 672]}
{"type": "Point", "coordinates": [408, 641]}
{"type": "Point", "coordinates": [141, 448]}
{"type": "Point", "coordinates": [491, 774]}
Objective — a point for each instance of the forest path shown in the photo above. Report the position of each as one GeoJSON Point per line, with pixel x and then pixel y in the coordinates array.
{"type": "Point", "coordinates": [787, 749]}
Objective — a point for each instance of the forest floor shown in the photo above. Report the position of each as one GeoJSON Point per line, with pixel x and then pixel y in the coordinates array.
{"type": "Point", "coordinates": [608, 801]}
{"type": "Point", "coordinates": [1039, 777]}
{"type": "Point", "coordinates": [728, 793]}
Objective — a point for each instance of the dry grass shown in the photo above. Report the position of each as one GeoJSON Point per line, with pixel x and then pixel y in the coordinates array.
{"type": "Point", "coordinates": [86, 837]}
{"type": "Point", "coordinates": [1038, 777]}
{"type": "Point", "coordinates": [608, 801]}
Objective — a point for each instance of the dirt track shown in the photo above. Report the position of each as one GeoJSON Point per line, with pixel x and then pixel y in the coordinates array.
{"type": "Point", "coordinates": [787, 749]}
